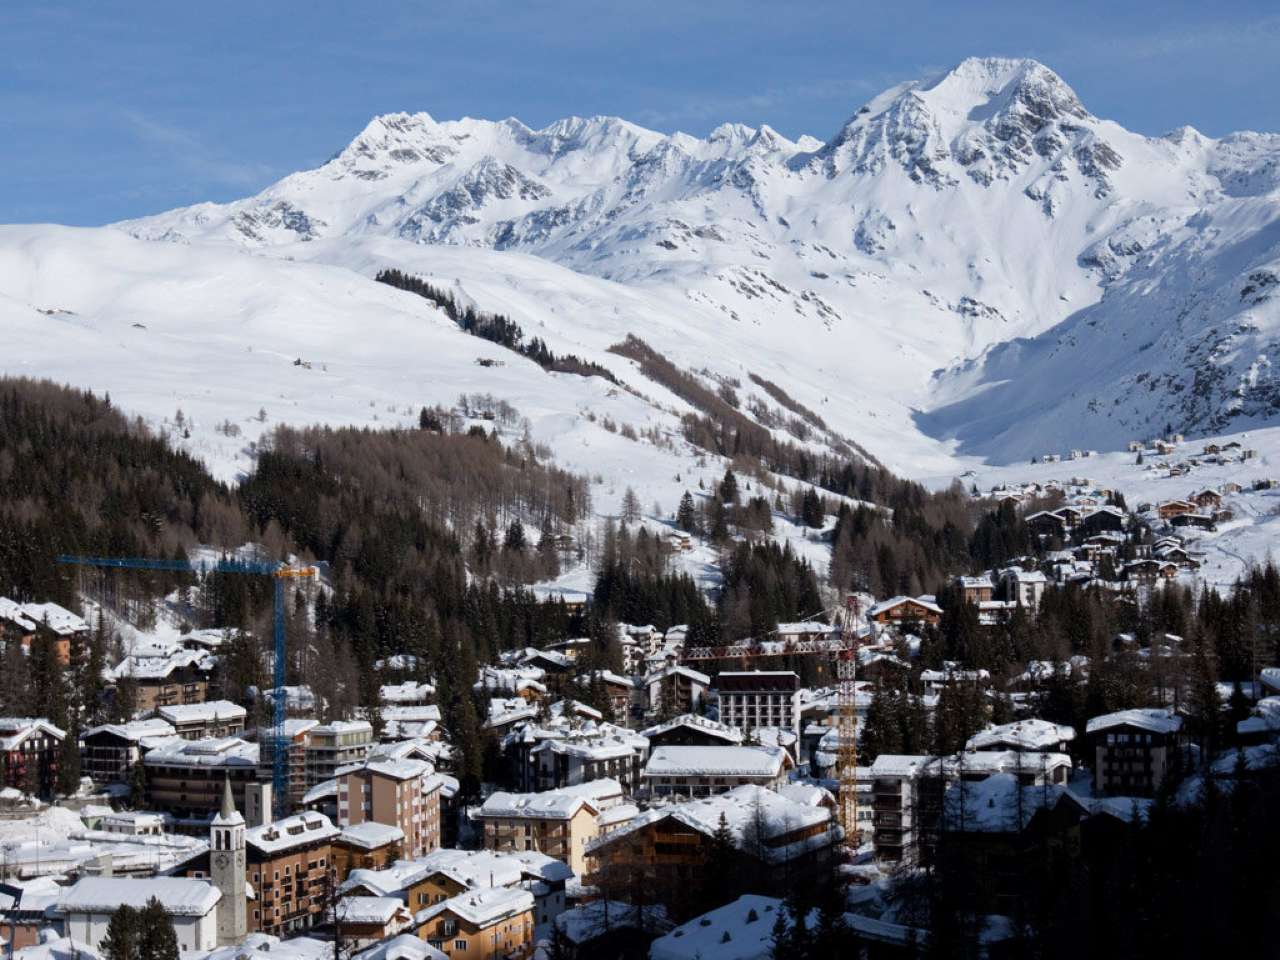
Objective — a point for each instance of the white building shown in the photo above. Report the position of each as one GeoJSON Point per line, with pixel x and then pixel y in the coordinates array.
{"type": "Point", "coordinates": [86, 908]}
{"type": "Point", "coordinates": [751, 699]}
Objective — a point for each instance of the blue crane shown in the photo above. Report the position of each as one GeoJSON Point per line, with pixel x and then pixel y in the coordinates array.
{"type": "Point", "coordinates": [279, 572]}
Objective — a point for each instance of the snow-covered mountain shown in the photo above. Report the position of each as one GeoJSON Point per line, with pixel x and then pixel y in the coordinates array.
{"type": "Point", "coordinates": [973, 264]}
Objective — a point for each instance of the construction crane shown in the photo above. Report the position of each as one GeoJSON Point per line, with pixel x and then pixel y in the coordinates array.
{"type": "Point", "coordinates": [279, 573]}
{"type": "Point", "coordinates": [843, 652]}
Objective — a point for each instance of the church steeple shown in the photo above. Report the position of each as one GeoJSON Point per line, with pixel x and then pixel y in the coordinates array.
{"type": "Point", "coordinates": [227, 868]}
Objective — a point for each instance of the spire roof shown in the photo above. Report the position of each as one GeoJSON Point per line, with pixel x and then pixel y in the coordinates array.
{"type": "Point", "coordinates": [228, 815]}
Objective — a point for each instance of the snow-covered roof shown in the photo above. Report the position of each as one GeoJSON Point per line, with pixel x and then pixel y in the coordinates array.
{"type": "Point", "coordinates": [180, 896]}
{"type": "Point", "coordinates": [11, 611]}
{"type": "Point", "coordinates": [370, 835]}
{"type": "Point", "coordinates": [1153, 721]}
{"type": "Point", "coordinates": [142, 667]}
{"type": "Point", "coordinates": [551, 805]}
{"type": "Point", "coordinates": [402, 947]}
{"type": "Point", "coordinates": [734, 761]}
{"type": "Point", "coordinates": [1264, 719]}
{"type": "Point", "coordinates": [741, 930]}
{"type": "Point", "coordinates": [1030, 734]}
{"type": "Point", "coordinates": [899, 765]}
{"type": "Point", "coordinates": [809, 627]}
{"type": "Point", "coordinates": [574, 708]}
{"type": "Point", "coordinates": [694, 722]}
{"type": "Point", "coordinates": [289, 832]}
{"type": "Point", "coordinates": [403, 769]}
{"type": "Point", "coordinates": [58, 619]}
{"type": "Point", "coordinates": [999, 804]}
{"type": "Point", "coordinates": [57, 948]}
{"type": "Point", "coordinates": [583, 923]}
{"type": "Point", "coordinates": [14, 731]}
{"type": "Point", "coordinates": [677, 670]}
{"type": "Point", "coordinates": [210, 752]}
{"type": "Point", "coordinates": [886, 605]}
{"type": "Point", "coordinates": [743, 808]}
{"type": "Point", "coordinates": [370, 909]}
{"type": "Point", "coordinates": [482, 907]}
{"type": "Point", "coordinates": [134, 730]}
{"type": "Point", "coordinates": [411, 691]}
{"type": "Point", "coordinates": [210, 712]}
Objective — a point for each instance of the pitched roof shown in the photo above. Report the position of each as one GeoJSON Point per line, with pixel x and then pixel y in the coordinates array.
{"type": "Point", "coordinates": [1154, 721]}
{"type": "Point", "coordinates": [289, 832]}
{"type": "Point", "coordinates": [179, 895]}
{"type": "Point", "coordinates": [742, 761]}
{"type": "Point", "coordinates": [481, 907]}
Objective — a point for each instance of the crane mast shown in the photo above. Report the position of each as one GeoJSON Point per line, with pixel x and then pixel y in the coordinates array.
{"type": "Point", "coordinates": [279, 572]}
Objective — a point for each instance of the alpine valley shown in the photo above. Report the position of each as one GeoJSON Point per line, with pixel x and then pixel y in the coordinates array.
{"type": "Point", "coordinates": [973, 269]}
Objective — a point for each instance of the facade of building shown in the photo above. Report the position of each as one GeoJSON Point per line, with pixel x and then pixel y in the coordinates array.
{"type": "Point", "coordinates": [760, 698]}
{"type": "Point", "coordinates": [366, 846]}
{"type": "Point", "coordinates": [557, 824]}
{"type": "Point", "coordinates": [480, 924]}
{"type": "Point", "coordinates": [172, 679]}
{"type": "Point", "coordinates": [86, 908]}
{"type": "Point", "coordinates": [398, 793]}
{"type": "Point", "coordinates": [334, 745]}
{"type": "Point", "coordinates": [675, 689]}
{"type": "Point", "coordinates": [290, 864]}
{"type": "Point", "coordinates": [706, 771]}
{"type": "Point", "coordinates": [29, 754]}
{"type": "Point", "coordinates": [185, 777]}
{"type": "Point", "coordinates": [905, 610]}
{"type": "Point", "coordinates": [108, 753]}
{"type": "Point", "coordinates": [204, 721]}
{"type": "Point", "coordinates": [1133, 750]}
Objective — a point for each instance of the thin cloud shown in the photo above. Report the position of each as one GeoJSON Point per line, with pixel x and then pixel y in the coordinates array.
{"type": "Point", "coordinates": [190, 153]}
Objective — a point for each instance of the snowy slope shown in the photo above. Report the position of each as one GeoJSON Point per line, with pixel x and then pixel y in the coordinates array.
{"type": "Point", "coordinates": [979, 231]}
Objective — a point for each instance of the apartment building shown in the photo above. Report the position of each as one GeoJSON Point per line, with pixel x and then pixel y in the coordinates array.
{"type": "Point", "coordinates": [170, 678]}
{"type": "Point", "coordinates": [1133, 750]}
{"type": "Point", "coordinates": [481, 924]}
{"type": "Point", "coordinates": [109, 752]}
{"type": "Point", "coordinates": [399, 793]}
{"type": "Point", "coordinates": [203, 721]}
{"type": "Point", "coordinates": [29, 754]}
{"type": "Point", "coordinates": [557, 824]}
{"type": "Point", "coordinates": [336, 744]}
{"type": "Point", "coordinates": [760, 698]}
{"type": "Point", "coordinates": [290, 866]}
{"type": "Point", "coordinates": [185, 777]}
{"type": "Point", "coordinates": [706, 771]}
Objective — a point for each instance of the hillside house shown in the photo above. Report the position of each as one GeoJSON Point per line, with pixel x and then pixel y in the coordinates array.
{"type": "Point", "coordinates": [1133, 750]}
{"type": "Point", "coordinates": [905, 610]}
{"type": "Point", "coordinates": [204, 721]}
{"type": "Point", "coordinates": [975, 590]}
{"type": "Point", "coordinates": [1169, 509]}
{"type": "Point", "coordinates": [690, 730]}
{"type": "Point", "coordinates": [109, 752]}
{"type": "Point", "coordinates": [1023, 587]}
{"type": "Point", "coordinates": [1207, 499]}
{"type": "Point", "coordinates": [676, 689]}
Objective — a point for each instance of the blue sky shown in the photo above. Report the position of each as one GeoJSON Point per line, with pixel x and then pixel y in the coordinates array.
{"type": "Point", "coordinates": [116, 109]}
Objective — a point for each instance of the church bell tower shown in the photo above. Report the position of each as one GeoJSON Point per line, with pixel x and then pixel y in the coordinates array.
{"type": "Point", "coordinates": [227, 869]}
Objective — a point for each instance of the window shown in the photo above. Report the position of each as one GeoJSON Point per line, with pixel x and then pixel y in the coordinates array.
{"type": "Point", "coordinates": [459, 944]}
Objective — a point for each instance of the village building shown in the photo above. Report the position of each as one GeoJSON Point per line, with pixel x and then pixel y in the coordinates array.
{"type": "Point", "coordinates": [480, 924]}
{"type": "Point", "coordinates": [751, 699]}
{"type": "Point", "coordinates": [1032, 735]}
{"type": "Point", "coordinates": [619, 690]}
{"type": "Point", "coordinates": [290, 865]}
{"type": "Point", "coordinates": [185, 777]}
{"type": "Point", "coordinates": [366, 846]}
{"type": "Point", "coordinates": [585, 756]}
{"type": "Point", "coordinates": [367, 920]}
{"type": "Point", "coordinates": [706, 771]}
{"type": "Point", "coordinates": [975, 590]}
{"type": "Point", "coordinates": [29, 754]}
{"type": "Point", "coordinates": [952, 675]}
{"type": "Point", "coordinates": [204, 721]}
{"type": "Point", "coordinates": [410, 693]}
{"type": "Point", "coordinates": [168, 678]}
{"type": "Point", "coordinates": [1024, 587]}
{"type": "Point", "coordinates": [109, 752]}
{"type": "Point", "coordinates": [24, 621]}
{"type": "Point", "coordinates": [87, 906]}
{"type": "Point", "coordinates": [676, 689]}
{"type": "Point", "coordinates": [905, 610]}
{"type": "Point", "coordinates": [691, 730]}
{"type": "Point", "coordinates": [296, 731]}
{"type": "Point", "coordinates": [775, 837]}
{"type": "Point", "coordinates": [399, 793]}
{"type": "Point", "coordinates": [557, 823]}
{"type": "Point", "coordinates": [1134, 750]}
{"type": "Point", "coordinates": [1169, 509]}
{"type": "Point", "coordinates": [336, 744]}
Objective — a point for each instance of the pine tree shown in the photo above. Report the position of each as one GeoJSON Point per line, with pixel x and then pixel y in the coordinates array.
{"type": "Point", "coordinates": [138, 786]}
{"type": "Point", "coordinates": [729, 488]}
{"type": "Point", "coordinates": [631, 509]}
{"type": "Point", "coordinates": [123, 934]}
{"type": "Point", "coordinates": [686, 514]}
{"type": "Point", "coordinates": [69, 763]}
{"type": "Point", "coordinates": [157, 939]}
{"type": "Point", "coordinates": [811, 511]}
